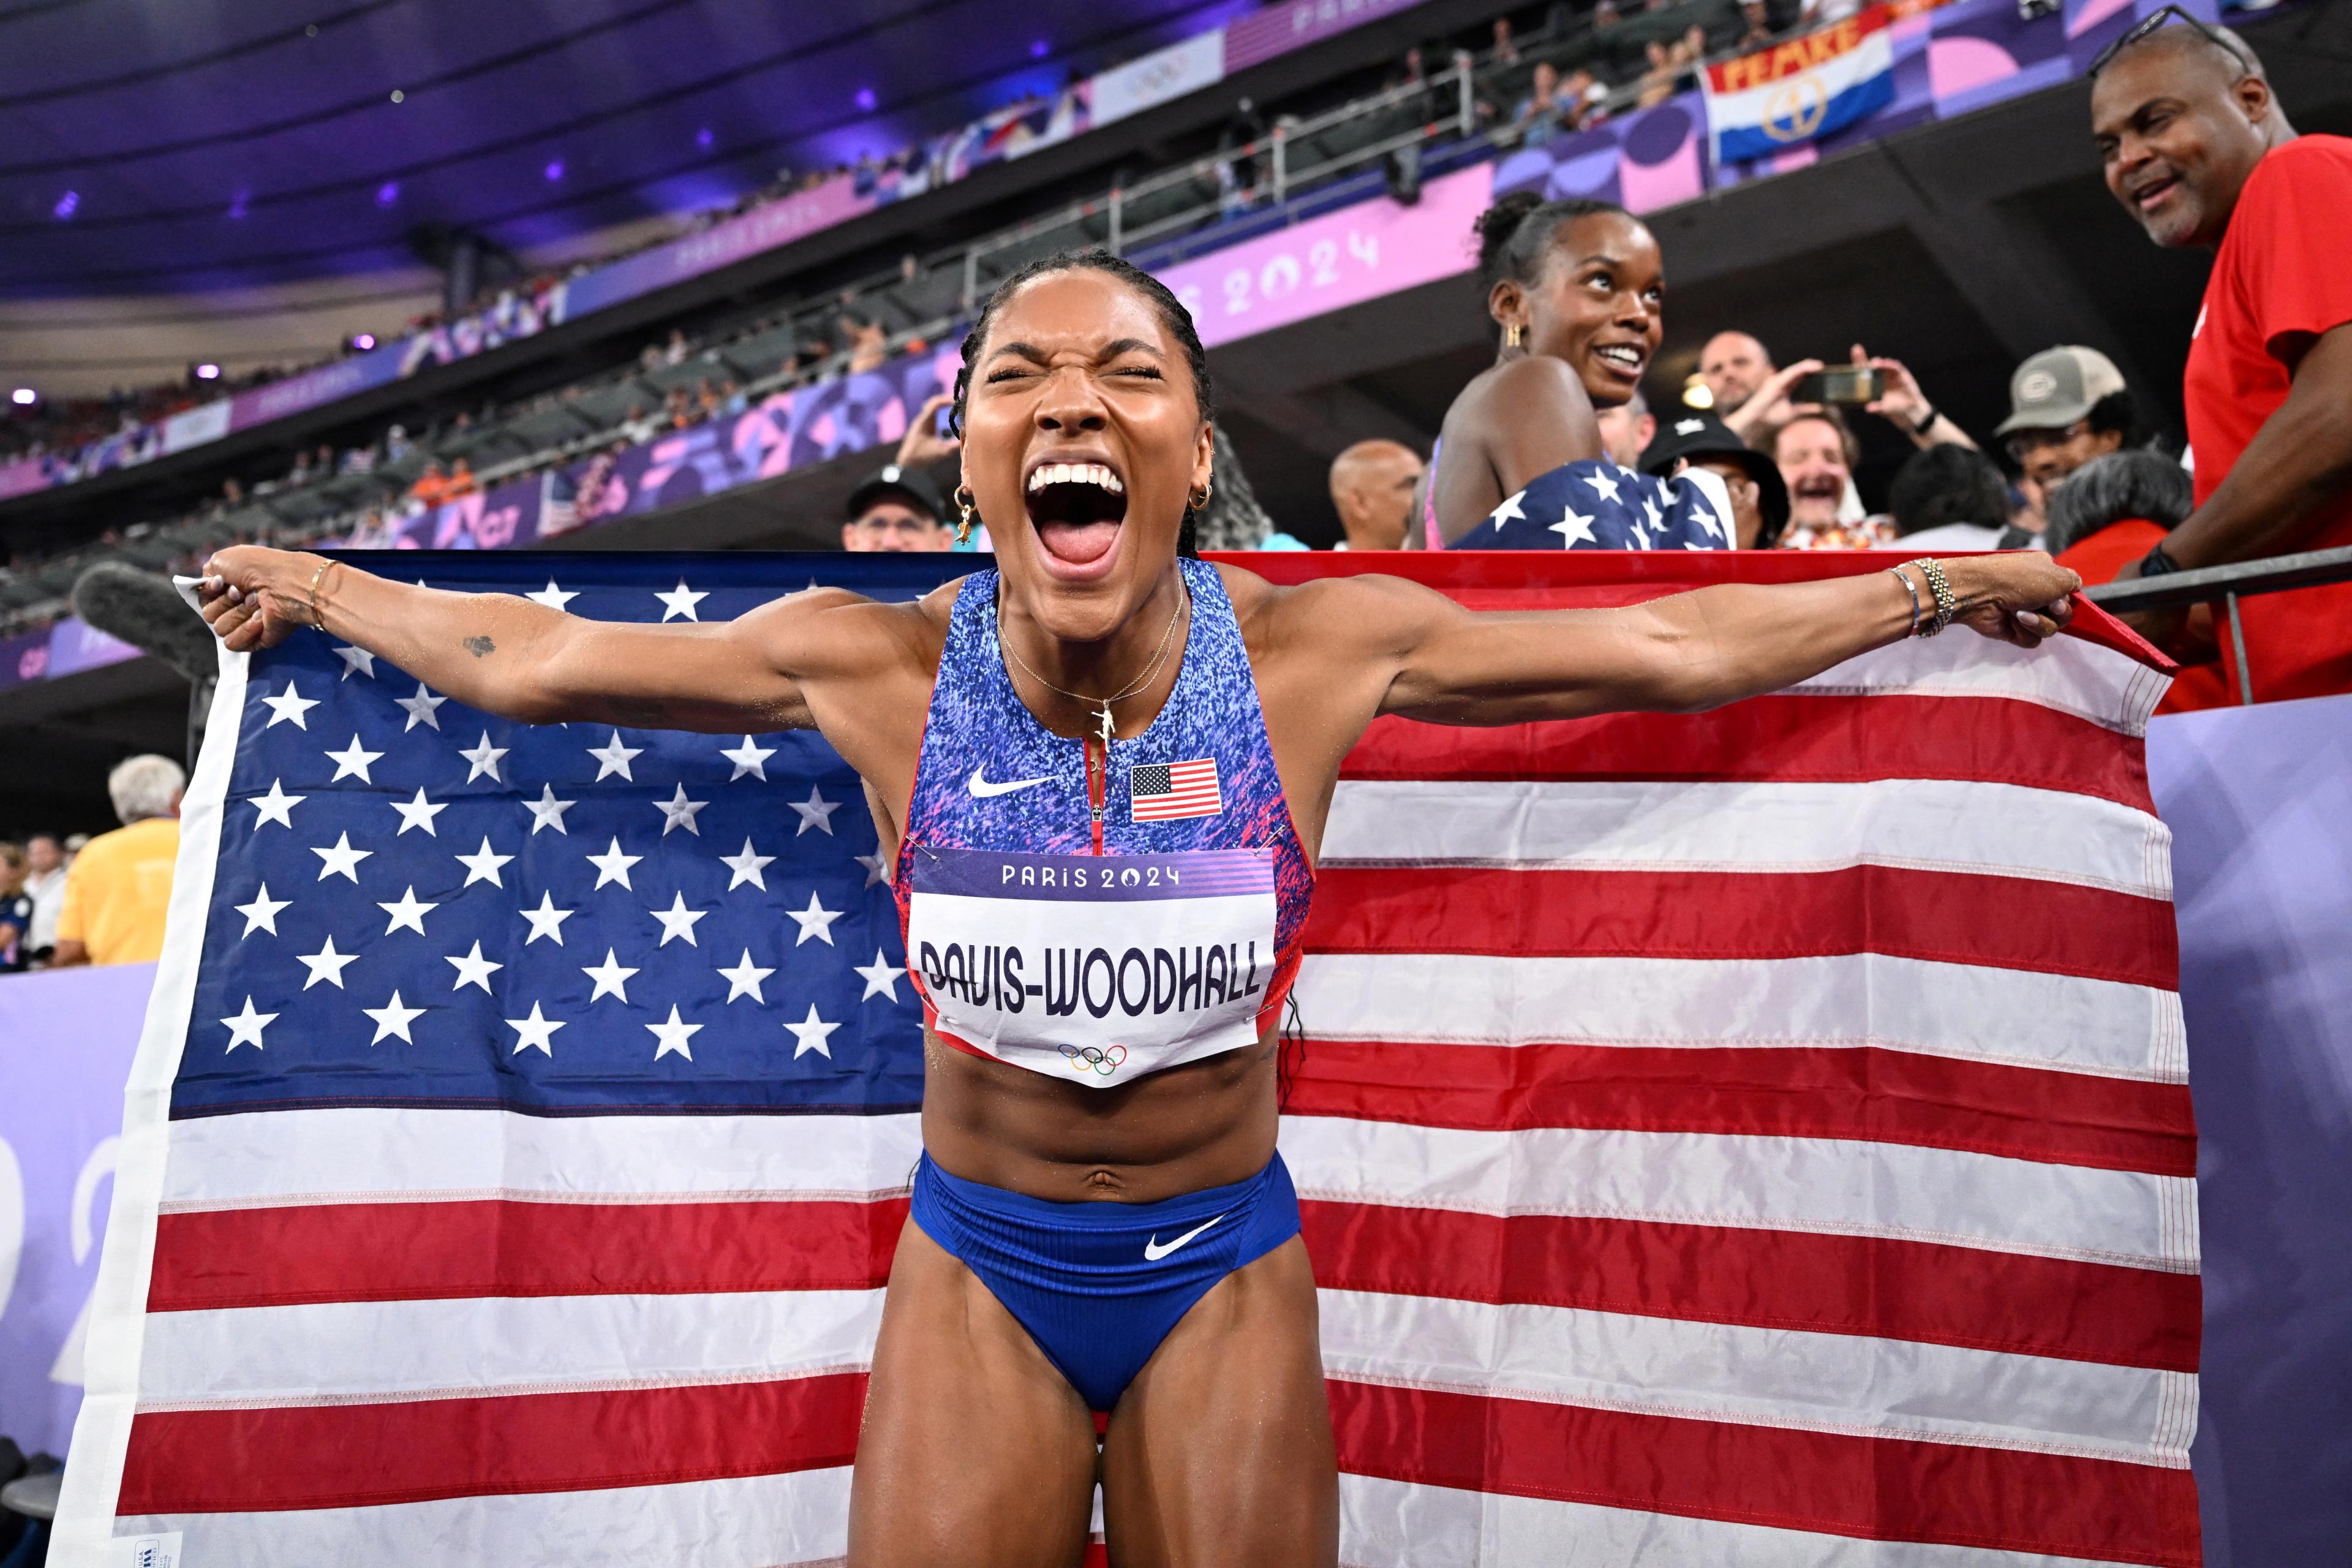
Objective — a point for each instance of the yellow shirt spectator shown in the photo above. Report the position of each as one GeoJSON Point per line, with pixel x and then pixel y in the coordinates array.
{"type": "Point", "coordinates": [118, 890]}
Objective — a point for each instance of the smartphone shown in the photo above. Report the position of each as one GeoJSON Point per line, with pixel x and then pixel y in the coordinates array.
{"type": "Point", "coordinates": [943, 422]}
{"type": "Point", "coordinates": [1855, 385]}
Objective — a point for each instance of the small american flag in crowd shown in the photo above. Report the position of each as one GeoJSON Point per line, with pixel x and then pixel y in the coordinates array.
{"type": "Point", "coordinates": [1162, 792]}
{"type": "Point", "coordinates": [1759, 1137]}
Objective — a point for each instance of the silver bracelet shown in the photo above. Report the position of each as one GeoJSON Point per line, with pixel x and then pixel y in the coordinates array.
{"type": "Point", "coordinates": [1896, 573]}
{"type": "Point", "coordinates": [1947, 605]}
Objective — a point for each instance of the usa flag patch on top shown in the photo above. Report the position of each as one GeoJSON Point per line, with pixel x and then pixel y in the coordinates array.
{"type": "Point", "coordinates": [1163, 792]}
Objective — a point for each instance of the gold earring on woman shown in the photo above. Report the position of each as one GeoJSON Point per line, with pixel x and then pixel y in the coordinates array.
{"type": "Point", "coordinates": [963, 500]}
{"type": "Point", "coordinates": [1512, 333]}
{"type": "Point", "coordinates": [1199, 500]}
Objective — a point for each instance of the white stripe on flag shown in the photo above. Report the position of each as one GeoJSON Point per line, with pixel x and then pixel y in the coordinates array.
{"type": "Point", "coordinates": [1849, 1384]}
{"type": "Point", "coordinates": [1957, 1010]}
{"type": "Point", "coordinates": [1832, 1186]}
{"type": "Point", "coordinates": [2072, 675]}
{"type": "Point", "coordinates": [1944, 824]}
{"type": "Point", "coordinates": [379, 1155]}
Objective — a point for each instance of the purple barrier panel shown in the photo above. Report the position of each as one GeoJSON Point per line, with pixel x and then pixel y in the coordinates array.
{"type": "Point", "coordinates": [66, 1043]}
{"type": "Point", "coordinates": [1341, 258]}
{"type": "Point", "coordinates": [1279, 30]}
{"type": "Point", "coordinates": [23, 657]}
{"type": "Point", "coordinates": [377, 367]}
{"type": "Point", "coordinates": [76, 645]}
{"type": "Point", "coordinates": [22, 478]}
{"type": "Point", "coordinates": [2262, 868]}
{"type": "Point", "coordinates": [763, 228]}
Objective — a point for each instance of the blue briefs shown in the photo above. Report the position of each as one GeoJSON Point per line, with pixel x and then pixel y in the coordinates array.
{"type": "Point", "coordinates": [1099, 1284]}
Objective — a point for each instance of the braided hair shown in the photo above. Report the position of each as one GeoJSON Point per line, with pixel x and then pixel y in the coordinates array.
{"type": "Point", "coordinates": [1517, 233]}
{"type": "Point", "coordinates": [1172, 316]}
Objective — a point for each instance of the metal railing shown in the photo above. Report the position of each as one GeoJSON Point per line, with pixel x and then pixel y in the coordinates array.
{"type": "Point", "coordinates": [2238, 580]}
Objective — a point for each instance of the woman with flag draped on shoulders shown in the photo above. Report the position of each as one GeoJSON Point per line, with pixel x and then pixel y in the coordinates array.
{"type": "Point", "coordinates": [1101, 771]}
{"type": "Point", "coordinates": [1577, 293]}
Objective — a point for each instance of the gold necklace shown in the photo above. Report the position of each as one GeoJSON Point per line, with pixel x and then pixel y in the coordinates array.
{"type": "Point", "coordinates": [1103, 720]}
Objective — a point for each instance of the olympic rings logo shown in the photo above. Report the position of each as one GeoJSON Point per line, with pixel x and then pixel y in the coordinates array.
{"type": "Point", "coordinates": [1086, 1057]}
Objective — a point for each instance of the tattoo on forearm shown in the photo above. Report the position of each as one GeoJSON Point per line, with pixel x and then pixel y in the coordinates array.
{"type": "Point", "coordinates": [479, 646]}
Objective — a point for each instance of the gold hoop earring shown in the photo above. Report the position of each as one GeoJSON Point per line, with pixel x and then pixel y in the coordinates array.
{"type": "Point", "coordinates": [1199, 500]}
{"type": "Point", "coordinates": [963, 500]}
{"type": "Point", "coordinates": [1511, 335]}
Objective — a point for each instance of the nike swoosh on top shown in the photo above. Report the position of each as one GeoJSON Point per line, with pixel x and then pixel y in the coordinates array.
{"type": "Point", "coordinates": [1153, 1252]}
{"type": "Point", "coordinates": [983, 790]}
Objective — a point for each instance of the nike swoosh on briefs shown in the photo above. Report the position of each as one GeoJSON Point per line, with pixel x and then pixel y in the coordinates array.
{"type": "Point", "coordinates": [983, 790]}
{"type": "Point", "coordinates": [1153, 1252]}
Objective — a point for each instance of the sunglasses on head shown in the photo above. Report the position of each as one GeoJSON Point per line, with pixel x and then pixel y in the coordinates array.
{"type": "Point", "coordinates": [2157, 20]}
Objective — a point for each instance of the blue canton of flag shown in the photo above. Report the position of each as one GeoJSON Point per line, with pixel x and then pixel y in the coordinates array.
{"type": "Point", "coordinates": [1596, 505]}
{"type": "Point", "coordinates": [417, 903]}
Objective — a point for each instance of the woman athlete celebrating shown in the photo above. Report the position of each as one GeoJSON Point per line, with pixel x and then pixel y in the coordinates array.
{"type": "Point", "coordinates": [1102, 744]}
{"type": "Point", "coordinates": [1577, 293]}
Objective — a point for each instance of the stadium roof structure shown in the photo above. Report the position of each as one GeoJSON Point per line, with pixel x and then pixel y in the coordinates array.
{"type": "Point", "coordinates": [164, 147]}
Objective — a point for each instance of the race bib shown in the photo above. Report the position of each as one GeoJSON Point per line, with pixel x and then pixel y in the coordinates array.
{"type": "Point", "coordinates": [1094, 967]}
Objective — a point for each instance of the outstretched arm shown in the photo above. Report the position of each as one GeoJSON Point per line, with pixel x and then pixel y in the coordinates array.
{"type": "Point", "coordinates": [1686, 652]}
{"type": "Point", "coordinates": [522, 660]}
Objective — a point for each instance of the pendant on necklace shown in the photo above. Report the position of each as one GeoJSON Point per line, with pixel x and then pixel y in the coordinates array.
{"type": "Point", "coordinates": [1105, 725]}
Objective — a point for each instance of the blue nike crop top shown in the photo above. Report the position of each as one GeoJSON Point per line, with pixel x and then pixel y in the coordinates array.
{"type": "Point", "coordinates": [1098, 912]}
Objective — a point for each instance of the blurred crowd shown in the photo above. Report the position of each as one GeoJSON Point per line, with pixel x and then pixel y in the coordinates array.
{"type": "Point", "coordinates": [77, 900]}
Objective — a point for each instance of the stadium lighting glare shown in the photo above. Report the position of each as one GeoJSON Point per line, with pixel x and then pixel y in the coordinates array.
{"type": "Point", "coordinates": [208, 372]}
{"type": "Point", "coordinates": [1040, 49]}
{"type": "Point", "coordinates": [866, 98]}
{"type": "Point", "coordinates": [23, 397]}
{"type": "Point", "coordinates": [387, 193]}
{"type": "Point", "coordinates": [66, 205]}
{"type": "Point", "coordinates": [1696, 393]}
{"type": "Point", "coordinates": [398, 96]}
{"type": "Point", "coordinates": [362, 340]}
{"type": "Point", "coordinates": [703, 137]}
{"type": "Point", "coordinates": [554, 171]}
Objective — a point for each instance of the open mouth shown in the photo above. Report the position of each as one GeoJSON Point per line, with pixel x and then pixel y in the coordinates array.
{"type": "Point", "coordinates": [1820, 487]}
{"type": "Point", "coordinates": [1622, 358]}
{"type": "Point", "coordinates": [2151, 195]}
{"type": "Point", "coordinates": [1077, 510]}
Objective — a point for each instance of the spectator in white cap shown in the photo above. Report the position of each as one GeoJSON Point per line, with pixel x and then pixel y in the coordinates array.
{"type": "Point", "coordinates": [2066, 405]}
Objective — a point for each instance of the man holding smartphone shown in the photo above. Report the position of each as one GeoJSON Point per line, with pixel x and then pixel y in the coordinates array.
{"type": "Point", "coordinates": [2197, 149]}
{"type": "Point", "coordinates": [1755, 399]}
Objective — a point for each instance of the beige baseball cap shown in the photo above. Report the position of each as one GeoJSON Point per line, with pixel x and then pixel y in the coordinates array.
{"type": "Point", "coordinates": [2058, 386]}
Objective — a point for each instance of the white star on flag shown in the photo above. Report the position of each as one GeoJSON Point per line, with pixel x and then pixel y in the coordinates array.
{"type": "Point", "coordinates": [614, 757]}
{"type": "Point", "coordinates": [1604, 485]}
{"type": "Point", "coordinates": [420, 709]}
{"type": "Point", "coordinates": [341, 860]}
{"type": "Point", "coordinates": [678, 812]}
{"type": "Point", "coordinates": [554, 599]}
{"type": "Point", "coordinates": [482, 865]}
{"type": "Point", "coordinates": [392, 1018]}
{"type": "Point", "coordinates": [612, 866]}
{"type": "Point", "coordinates": [1509, 511]}
{"type": "Point", "coordinates": [548, 812]}
{"type": "Point", "coordinates": [356, 661]}
{"type": "Point", "coordinates": [417, 813]}
{"type": "Point", "coordinates": [874, 871]}
{"type": "Point", "coordinates": [612, 978]}
{"type": "Point", "coordinates": [881, 977]}
{"type": "Point", "coordinates": [1573, 529]}
{"type": "Point", "coordinates": [680, 601]}
{"type": "Point", "coordinates": [678, 920]}
{"type": "Point", "coordinates": [743, 980]}
{"type": "Point", "coordinates": [352, 762]}
{"type": "Point", "coordinates": [536, 1032]}
{"type": "Point", "coordinates": [262, 913]}
{"type": "Point", "coordinates": [1705, 514]}
{"type": "Point", "coordinates": [482, 759]}
{"type": "Point", "coordinates": [277, 807]}
{"type": "Point", "coordinates": [746, 868]}
{"type": "Point", "coordinates": [244, 1029]}
{"type": "Point", "coordinates": [810, 1034]}
{"type": "Point", "coordinates": [815, 920]}
{"type": "Point", "coordinates": [815, 812]}
{"type": "Point", "coordinates": [327, 964]}
{"type": "Point", "coordinates": [546, 921]}
{"type": "Point", "coordinates": [407, 912]}
{"type": "Point", "coordinates": [473, 969]}
{"type": "Point", "coordinates": [749, 758]}
{"type": "Point", "coordinates": [289, 706]}
{"type": "Point", "coordinates": [674, 1035]}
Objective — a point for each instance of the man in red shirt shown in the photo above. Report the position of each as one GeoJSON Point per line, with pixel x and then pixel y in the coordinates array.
{"type": "Point", "coordinates": [2198, 150]}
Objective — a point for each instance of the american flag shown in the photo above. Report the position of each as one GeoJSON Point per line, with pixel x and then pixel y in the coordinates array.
{"type": "Point", "coordinates": [1162, 792]}
{"type": "Point", "coordinates": [1756, 1137]}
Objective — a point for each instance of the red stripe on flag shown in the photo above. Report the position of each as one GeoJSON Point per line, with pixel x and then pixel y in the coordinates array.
{"type": "Point", "coordinates": [358, 1456]}
{"type": "Point", "coordinates": [1779, 739]}
{"type": "Point", "coordinates": [1876, 1488]}
{"type": "Point", "coordinates": [1859, 1092]}
{"type": "Point", "coordinates": [1968, 1297]}
{"type": "Point", "coordinates": [2008, 922]}
{"type": "Point", "coordinates": [419, 1251]}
